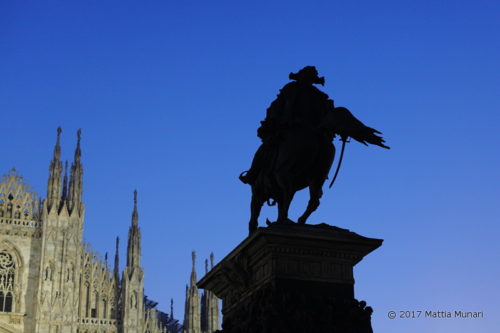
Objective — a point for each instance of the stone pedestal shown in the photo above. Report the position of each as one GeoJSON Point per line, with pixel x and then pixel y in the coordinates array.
{"type": "Point", "coordinates": [292, 278]}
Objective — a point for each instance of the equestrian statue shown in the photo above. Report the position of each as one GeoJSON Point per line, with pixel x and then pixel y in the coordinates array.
{"type": "Point", "coordinates": [297, 148]}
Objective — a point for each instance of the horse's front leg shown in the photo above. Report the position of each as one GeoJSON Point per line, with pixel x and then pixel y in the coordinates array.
{"type": "Point", "coordinates": [315, 193]}
{"type": "Point", "coordinates": [255, 208]}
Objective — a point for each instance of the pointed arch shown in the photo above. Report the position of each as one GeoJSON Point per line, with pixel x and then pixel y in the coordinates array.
{"type": "Point", "coordinates": [12, 249]}
{"type": "Point", "coordinates": [11, 269]}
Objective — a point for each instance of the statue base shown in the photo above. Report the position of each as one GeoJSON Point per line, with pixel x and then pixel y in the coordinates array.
{"type": "Point", "coordinates": [292, 278]}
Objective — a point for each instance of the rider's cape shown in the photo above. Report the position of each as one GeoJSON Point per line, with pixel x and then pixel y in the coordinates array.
{"type": "Point", "coordinates": [342, 122]}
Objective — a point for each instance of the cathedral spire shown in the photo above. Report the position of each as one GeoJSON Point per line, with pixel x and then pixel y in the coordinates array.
{"type": "Point", "coordinates": [192, 312]}
{"type": "Point", "coordinates": [205, 305]}
{"type": "Point", "coordinates": [132, 284]}
{"type": "Point", "coordinates": [57, 148]}
{"type": "Point", "coordinates": [76, 179]}
{"type": "Point", "coordinates": [55, 173]}
{"type": "Point", "coordinates": [116, 275]}
{"type": "Point", "coordinates": [78, 151]}
{"type": "Point", "coordinates": [193, 270]}
{"type": "Point", "coordinates": [116, 268]}
{"type": "Point", "coordinates": [135, 215]}
{"type": "Point", "coordinates": [134, 239]}
{"type": "Point", "coordinates": [212, 306]}
{"type": "Point", "coordinates": [172, 308]}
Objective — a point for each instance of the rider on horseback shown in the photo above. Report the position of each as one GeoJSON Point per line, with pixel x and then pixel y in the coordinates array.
{"type": "Point", "coordinates": [299, 105]}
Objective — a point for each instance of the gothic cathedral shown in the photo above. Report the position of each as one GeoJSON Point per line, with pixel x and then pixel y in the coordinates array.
{"type": "Point", "coordinates": [50, 281]}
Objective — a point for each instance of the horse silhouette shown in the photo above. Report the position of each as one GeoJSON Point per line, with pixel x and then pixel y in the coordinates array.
{"type": "Point", "coordinates": [300, 157]}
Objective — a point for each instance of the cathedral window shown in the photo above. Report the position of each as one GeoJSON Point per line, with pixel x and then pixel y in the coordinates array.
{"type": "Point", "coordinates": [8, 302]}
{"type": "Point", "coordinates": [7, 278]}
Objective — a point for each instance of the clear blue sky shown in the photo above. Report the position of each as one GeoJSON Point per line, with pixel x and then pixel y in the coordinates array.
{"type": "Point", "coordinates": [169, 95]}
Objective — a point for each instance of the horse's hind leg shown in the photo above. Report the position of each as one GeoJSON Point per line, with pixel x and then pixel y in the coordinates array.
{"type": "Point", "coordinates": [315, 193]}
{"type": "Point", "coordinates": [255, 208]}
{"type": "Point", "coordinates": [284, 206]}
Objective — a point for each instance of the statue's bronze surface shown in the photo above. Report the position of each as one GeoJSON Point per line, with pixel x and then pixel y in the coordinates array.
{"type": "Point", "coordinates": [297, 148]}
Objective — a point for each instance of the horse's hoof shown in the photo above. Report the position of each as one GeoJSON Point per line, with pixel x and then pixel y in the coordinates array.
{"type": "Point", "coordinates": [302, 220]}
{"type": "Point", "coordinates": [286, 221]}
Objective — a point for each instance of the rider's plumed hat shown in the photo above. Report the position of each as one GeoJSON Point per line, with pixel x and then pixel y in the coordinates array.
{"type": "Point", "coordinates": [307, 74]}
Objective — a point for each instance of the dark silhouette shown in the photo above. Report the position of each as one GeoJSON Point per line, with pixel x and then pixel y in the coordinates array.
{"type": "Point", "coordinates": [297, 149]}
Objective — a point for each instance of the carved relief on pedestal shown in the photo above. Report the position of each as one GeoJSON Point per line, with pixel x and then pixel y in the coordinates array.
{"type": "Point", "coordinates": [273, 309]}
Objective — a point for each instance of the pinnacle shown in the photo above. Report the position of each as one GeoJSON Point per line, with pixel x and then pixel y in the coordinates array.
{"type": "Point", "coordinates": [135, 215]}
{"type": "Point", "coordinates": [78, 151]}
{"type": "Point", "coordinates": [57, 148]}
